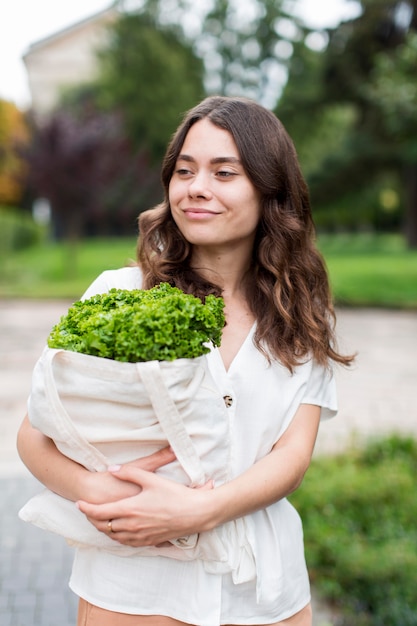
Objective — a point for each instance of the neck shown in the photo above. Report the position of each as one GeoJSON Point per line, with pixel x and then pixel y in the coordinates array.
{"type": "Point", "coordinates": [225, 268]}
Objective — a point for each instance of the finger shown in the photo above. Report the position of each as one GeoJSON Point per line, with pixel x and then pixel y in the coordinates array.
{"type": "Point", "coordinates": [98, 514]}
{"type": "Point", "coordinates": [132, 473]}
{"type": "Point", "coordinates": [154, 461]}
{"type": "Point", "coordinates": [118, 530]}
{"type": "Point", "coordinates": [107, 527]}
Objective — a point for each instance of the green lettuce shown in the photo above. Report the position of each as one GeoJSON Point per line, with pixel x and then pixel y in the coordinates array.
{"type": "Point", "coordinates": [159, 324]}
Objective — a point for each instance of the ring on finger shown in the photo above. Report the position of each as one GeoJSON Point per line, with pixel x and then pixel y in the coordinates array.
{"type": "Point", "coordinates": [109, 526]}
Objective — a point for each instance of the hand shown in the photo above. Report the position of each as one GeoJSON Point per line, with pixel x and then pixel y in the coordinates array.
{"type": "Point", "coordinates": [160, 510]}
{"type": "Point", "coordinates": [103, 487]}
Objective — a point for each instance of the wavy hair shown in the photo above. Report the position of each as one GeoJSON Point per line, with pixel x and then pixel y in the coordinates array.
{"type": "Point", "coordinates": [287, 286]}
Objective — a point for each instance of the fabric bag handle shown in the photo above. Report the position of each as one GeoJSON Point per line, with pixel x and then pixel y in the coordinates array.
{"type": "Point", "coordinates": [165, 410]}
{"type": "Point", "coordinates": [170, 420]}
{"type": "Point", "coordinates": [92, 456]}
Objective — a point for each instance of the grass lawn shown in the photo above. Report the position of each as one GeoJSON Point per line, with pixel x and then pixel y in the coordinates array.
{"type": "Point", "coordinates": [53, 270]}
{"type": "Point", "coordinates": [365, 269]}
{"type": "Point", "coordinates": [370, 270]}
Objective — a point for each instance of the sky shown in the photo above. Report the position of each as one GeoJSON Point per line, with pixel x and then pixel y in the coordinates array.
{"type": "Point", "coordinates": [23, 22]}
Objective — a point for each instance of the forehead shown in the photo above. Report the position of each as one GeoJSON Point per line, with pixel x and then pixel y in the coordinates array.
{"type": "Point", "coordinates": [205, 138]}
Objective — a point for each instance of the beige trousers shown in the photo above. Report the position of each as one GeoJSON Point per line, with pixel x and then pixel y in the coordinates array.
{"type": "Point", "coordinates": [90, 615]}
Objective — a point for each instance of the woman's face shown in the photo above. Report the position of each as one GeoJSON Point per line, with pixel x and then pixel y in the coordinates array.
{"type": "Point", "coordinates": [213, 202]}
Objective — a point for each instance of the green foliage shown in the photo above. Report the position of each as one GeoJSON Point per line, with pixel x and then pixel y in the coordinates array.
{"type": "Point", "coordinates": [17, 230]}
{"type": "Point", "coordinates": [393, 92]}
{"type": "Point", "coordinates": [245, 52]}
{"type": "Point", "coordinates": [368, 69]}
{"type": "Point", "coordinates": [359, 511]}
{"type": "Point", "coordinates": [377, 206]}
{"type": "Point", "coordinates": [160, 324]}
{"type": "Point", "coordinates": [304, 92]}
{"type": "Point", "coordinates": [152, 77]}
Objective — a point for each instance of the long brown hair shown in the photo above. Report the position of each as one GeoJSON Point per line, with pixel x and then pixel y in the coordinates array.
{"type": "Point", "coordinates": [286, 286]}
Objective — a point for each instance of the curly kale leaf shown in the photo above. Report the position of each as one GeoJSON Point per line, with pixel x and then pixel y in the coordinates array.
{"type": "Point", "coordinates": [161, 324]}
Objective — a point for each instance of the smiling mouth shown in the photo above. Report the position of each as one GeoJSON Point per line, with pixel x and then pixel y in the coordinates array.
{"type": "Point", "coordinates": [195, 211]}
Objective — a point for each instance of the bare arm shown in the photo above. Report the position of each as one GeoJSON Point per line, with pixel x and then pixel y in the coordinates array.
{"type": "Point", "coordinates": [71, 480]}
{"type": "Point", "coordinates": [165, 510]}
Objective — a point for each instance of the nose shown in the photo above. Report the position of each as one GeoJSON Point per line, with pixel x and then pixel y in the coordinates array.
{"type": "Point", "coordinates": [199, 186]}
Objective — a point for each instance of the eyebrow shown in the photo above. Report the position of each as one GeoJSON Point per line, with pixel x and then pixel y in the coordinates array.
{"type": "Point", "coordinates": [215, 161]}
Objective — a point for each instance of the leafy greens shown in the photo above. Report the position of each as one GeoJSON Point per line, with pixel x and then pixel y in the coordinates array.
{"type": "Point", "coordinates": [160, 324]}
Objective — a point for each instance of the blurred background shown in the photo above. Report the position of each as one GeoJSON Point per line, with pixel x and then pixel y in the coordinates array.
{"type": "Point", "coordinates": [90, 93]}
{"type": "Point", "coordinates": [82, 140]}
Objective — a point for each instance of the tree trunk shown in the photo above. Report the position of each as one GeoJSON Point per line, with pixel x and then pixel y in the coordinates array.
{"type": "Point", "coordinates": [74, 230]}
{"type": "Point", "coordinates": [410, 225]}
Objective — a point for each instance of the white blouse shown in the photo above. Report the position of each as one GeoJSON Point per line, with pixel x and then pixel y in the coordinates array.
{"type": "Point", "coordinates": [263, 400]}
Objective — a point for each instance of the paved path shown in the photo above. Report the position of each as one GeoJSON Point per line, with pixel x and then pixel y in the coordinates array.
{"type": "Point", "coordinates": [376, 397]}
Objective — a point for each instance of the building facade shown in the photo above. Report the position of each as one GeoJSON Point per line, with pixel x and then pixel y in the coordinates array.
{"type": "Point", "coordinates": [65, 59]}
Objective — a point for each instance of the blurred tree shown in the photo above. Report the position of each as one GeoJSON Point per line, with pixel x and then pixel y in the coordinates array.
{"type": "Point", "coordinates": [245, 47]}
{"type": "Point", "coordinates": [63, 161]}
{"type": "Point", "coordinates": [356, 49]}
{"type": "Point", "coordinates": [317, 127]}
{"type": "Point", "coordinates": [392, 92]}
{"type": "Point", "coordinates": [360, 73]}
{"type": "Point", "coordinates": [152, 76]}
{"type": "Point", "coordinates": [97, 159]}
{"type": "Point", "coordinates": [14, 132]}
{"type": "Point", "coordinates": [86, 167]}
{"type": "Point", "coordinates": [322, 132]}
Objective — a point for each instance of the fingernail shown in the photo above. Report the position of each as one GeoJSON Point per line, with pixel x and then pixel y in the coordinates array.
{"type": "Point", "coordinates": [114, 468]}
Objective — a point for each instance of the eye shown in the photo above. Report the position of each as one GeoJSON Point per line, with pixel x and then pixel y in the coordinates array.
{"type": "Point", "coordinates": [183, 171]}
{"type": "Point", "coordinates": [225, 174]}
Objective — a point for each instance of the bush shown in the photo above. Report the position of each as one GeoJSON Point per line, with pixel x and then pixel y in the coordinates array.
{"type": "Point", "coordinates": [359, 512]}
{"type": "Point", "coordinates": [17, 230]}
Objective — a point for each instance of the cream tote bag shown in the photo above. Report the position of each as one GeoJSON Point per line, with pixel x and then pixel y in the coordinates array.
{"type": "Point", "coordinates": [101, 412]}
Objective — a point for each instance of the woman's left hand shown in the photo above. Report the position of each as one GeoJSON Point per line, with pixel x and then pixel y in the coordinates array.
{"type": "Point", "coordinates": [163, 510]}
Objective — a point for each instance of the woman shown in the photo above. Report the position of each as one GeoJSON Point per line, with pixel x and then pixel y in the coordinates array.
{"type": "Point", "coordinates": [236, 222]}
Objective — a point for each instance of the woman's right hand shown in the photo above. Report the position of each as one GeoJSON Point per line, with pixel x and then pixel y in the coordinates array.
{"type": "Point", "coordinates": [70, 479]}
{"type": "Point", "coordinates": [102, 487]}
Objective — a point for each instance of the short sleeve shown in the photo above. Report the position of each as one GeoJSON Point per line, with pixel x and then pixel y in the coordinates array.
{"type": "Point", "coordinates": [124, 278]}
{"type": "Point", "coordinates": [321, 390]}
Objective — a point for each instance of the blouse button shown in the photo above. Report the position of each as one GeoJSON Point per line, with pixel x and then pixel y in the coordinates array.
{"type": "Point", "coordinates": [228, 400]}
